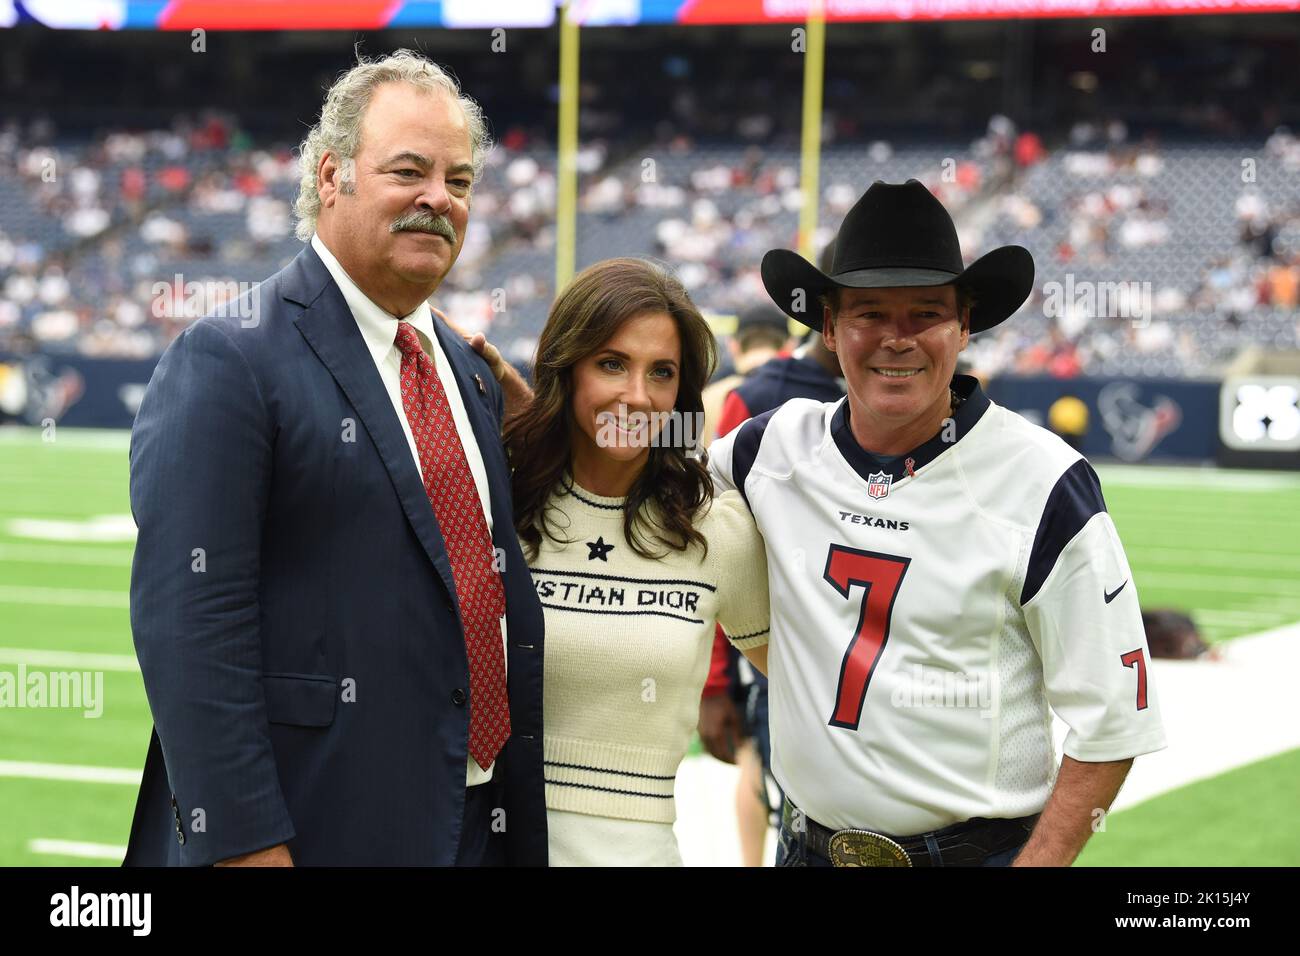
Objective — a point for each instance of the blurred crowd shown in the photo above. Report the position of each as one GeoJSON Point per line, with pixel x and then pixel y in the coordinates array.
{"type": "Point", "coordinates": [94, 232]}
{"type": "Point", "coordinates": [716, 217]}
{"type": "Point", "coordinates": [91, 227]}
{"type": "Point", "coordinates": [1158, 299]}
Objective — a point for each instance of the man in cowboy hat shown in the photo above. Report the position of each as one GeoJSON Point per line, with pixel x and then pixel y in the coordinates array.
{"type": "Point", "coordinates": [942, 572]}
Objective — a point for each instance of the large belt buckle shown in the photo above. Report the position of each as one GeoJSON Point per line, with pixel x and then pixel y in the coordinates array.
{"type": "Point", "coordinates": [864, 848]}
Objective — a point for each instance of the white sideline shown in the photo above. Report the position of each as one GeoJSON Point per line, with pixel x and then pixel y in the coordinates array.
{"type": "Point", "coordinates": [1219, 715]}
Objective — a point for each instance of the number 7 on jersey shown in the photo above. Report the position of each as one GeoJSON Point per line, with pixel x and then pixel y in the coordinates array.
{"type": "Point", "coordinates": [880, 576]}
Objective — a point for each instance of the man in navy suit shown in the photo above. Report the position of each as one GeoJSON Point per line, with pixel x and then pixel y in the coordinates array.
{"type": "Point", "coordinates": [337, 631]}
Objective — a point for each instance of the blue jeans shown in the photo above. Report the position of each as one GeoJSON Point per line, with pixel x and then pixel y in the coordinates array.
{"type": "Point", "coordinates": [755, 726]}
{"type": "Point", "coordinates": [791, 852]}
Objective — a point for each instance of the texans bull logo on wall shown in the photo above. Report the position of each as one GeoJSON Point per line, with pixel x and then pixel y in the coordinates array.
{"type": "Point", "coordinates": [33, 392]}
{"type": "Point", "coordinates": [1135, 429]}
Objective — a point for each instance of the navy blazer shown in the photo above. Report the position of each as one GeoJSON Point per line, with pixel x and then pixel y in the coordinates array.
{"type": "Point", "coordinates": [293, 606]}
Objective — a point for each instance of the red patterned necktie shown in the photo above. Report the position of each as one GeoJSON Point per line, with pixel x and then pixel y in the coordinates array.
{"type": "Point", "coordinates": [456, 504]}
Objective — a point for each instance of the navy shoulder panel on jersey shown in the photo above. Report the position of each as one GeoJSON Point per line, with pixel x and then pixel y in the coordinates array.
{"type": "Point", "coordinates": [1072, 503]}
{"type": "Point", "coordinates": [745, 450]}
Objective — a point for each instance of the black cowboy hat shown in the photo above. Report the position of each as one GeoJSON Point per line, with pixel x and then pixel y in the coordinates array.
{"type": "Point", "coordinates": [896, 236]}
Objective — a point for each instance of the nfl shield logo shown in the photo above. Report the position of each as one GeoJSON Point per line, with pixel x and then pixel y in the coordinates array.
{"type": "Point", "coordinates": [878, 484]}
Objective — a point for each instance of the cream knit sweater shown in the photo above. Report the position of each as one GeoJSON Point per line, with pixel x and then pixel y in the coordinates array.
{"type": "Point", "coordinates": [628, 643]}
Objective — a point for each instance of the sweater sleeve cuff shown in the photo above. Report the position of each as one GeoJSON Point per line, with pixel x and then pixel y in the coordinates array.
{"type": "Point", "coordinates": [747, 642]}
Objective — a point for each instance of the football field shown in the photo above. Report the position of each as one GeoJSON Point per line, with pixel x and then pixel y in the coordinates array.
{"type": "Point", "coordinates": [1223, 546]}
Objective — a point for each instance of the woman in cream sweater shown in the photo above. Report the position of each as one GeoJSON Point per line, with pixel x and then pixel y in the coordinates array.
{"type": "Point", "coordinates": [633, 556]}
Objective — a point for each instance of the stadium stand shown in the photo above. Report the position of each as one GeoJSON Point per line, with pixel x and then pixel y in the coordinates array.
{"type": "Point", "coordinates": [1118, 188]}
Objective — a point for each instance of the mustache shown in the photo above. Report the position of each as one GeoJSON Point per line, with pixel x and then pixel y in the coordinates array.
{"type": "Point", "coordinates": [425, 222]}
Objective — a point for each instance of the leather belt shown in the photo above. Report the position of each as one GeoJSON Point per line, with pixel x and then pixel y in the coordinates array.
{"type": "Point", "coordinates": [962, 844]}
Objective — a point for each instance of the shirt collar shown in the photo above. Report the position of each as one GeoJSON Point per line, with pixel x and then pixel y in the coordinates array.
{"type": "Point", "coordinates": [378, 327]}
{"type": "Point", "coordinates": [865, 463]}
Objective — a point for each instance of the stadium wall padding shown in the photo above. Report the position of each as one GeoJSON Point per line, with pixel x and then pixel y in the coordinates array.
{"type": "Point", "coordinates": [76, 391]}
{"type": "Point", "coordinates": [1128, 419]}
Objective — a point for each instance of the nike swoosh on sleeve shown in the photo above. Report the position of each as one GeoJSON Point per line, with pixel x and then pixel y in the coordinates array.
{"type": "Point", "coordinates": [1110, 596]}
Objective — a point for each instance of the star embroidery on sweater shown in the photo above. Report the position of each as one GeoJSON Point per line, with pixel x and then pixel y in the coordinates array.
{"type": "Point", "coordinates": [599, 549]}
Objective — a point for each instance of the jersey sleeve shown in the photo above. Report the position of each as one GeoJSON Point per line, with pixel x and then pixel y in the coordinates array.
{"type": "Point", "coordinates": [732, 456]}
{"type": "Point", "coordinates": [739, 557]}
{"type": "Point", "coordinates": [1081, 607]}
{"type": "Point", "coordinates": [720, 462]}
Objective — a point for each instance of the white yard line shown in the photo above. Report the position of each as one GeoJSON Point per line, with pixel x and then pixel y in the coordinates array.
{"type": "Point", "coordinates": [64, 597]}
{"type": "Point", "coordinates": [87, 851]}
{"type": "Point", "coordinates": [71, 772]}
{"type": "Point", "coordinates": [58, 554]}
{"type": "Point", "coordinates": [93, 529]}
{"type": "Point", "coordinates": [69, 660]}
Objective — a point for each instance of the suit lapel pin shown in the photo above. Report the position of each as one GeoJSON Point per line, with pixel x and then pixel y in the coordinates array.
{"type": "Point", "coordinates": [482, 389]}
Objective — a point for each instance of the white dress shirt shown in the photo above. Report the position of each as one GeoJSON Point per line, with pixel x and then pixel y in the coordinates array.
{"type": "Point", "coordinates": [379, 329]}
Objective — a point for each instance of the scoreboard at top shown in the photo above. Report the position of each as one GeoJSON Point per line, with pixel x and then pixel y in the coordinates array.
{"type": "Point", "coordinates": [481, 14]}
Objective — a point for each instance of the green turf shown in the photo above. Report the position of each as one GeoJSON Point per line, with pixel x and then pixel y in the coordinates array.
{"type": "Point", "coordinates": [75, 478]}
{"type": "Point", "coordinates": [1225, 548]}
{"type": "Point", "coordinates": [1245, 817]}
{"type": "Point", "coordinates": [1222, 546]}
{"type": "Point", "coordinates": [118, 737]}
{"type": "Point", "coordinates": [58, 810]}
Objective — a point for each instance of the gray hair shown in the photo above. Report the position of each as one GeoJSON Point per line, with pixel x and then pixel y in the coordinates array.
{"type": "Point", "coordinates": [339, 128]}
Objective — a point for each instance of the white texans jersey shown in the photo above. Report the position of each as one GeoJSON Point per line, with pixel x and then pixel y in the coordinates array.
{"type": "Point", "coordinates": [928, 609]}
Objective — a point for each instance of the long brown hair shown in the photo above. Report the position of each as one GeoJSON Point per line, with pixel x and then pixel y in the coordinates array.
{"type": "Point", "coordinates": [586, 315]}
